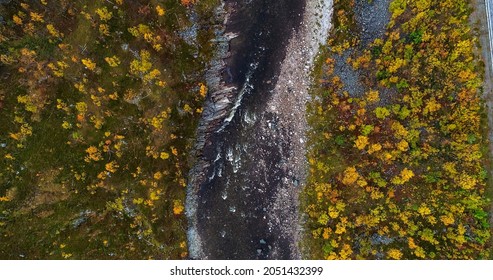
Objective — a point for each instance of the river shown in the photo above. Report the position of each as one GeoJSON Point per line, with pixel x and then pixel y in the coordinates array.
{"type": "Point", "coordinates": [243, 197]}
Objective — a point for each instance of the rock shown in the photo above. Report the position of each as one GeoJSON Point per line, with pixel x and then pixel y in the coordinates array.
{"type": "Point", "coordinates": [296, 182]}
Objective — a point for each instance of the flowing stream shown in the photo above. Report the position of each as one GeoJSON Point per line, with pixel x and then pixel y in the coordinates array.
{"type": "Point", "coordinates": [242, 200]}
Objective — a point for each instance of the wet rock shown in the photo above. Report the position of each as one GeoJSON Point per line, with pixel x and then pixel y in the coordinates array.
{"type": "Point", "coordinates": [296, 182]}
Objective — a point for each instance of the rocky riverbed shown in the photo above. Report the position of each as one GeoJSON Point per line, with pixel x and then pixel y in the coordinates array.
{"type": "Point", "coordinates": [250, 155]}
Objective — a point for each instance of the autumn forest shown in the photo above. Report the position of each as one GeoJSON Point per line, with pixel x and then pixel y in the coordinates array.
{"type": "Point", "coordinates": [100, 103]}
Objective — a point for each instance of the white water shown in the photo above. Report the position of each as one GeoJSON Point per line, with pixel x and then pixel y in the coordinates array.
{"type": "Point", "coordinates": [247, 88]}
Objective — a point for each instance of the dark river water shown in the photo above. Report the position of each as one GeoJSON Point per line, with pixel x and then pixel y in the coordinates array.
{"type": "Point", "coordinates": [246, 162]}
